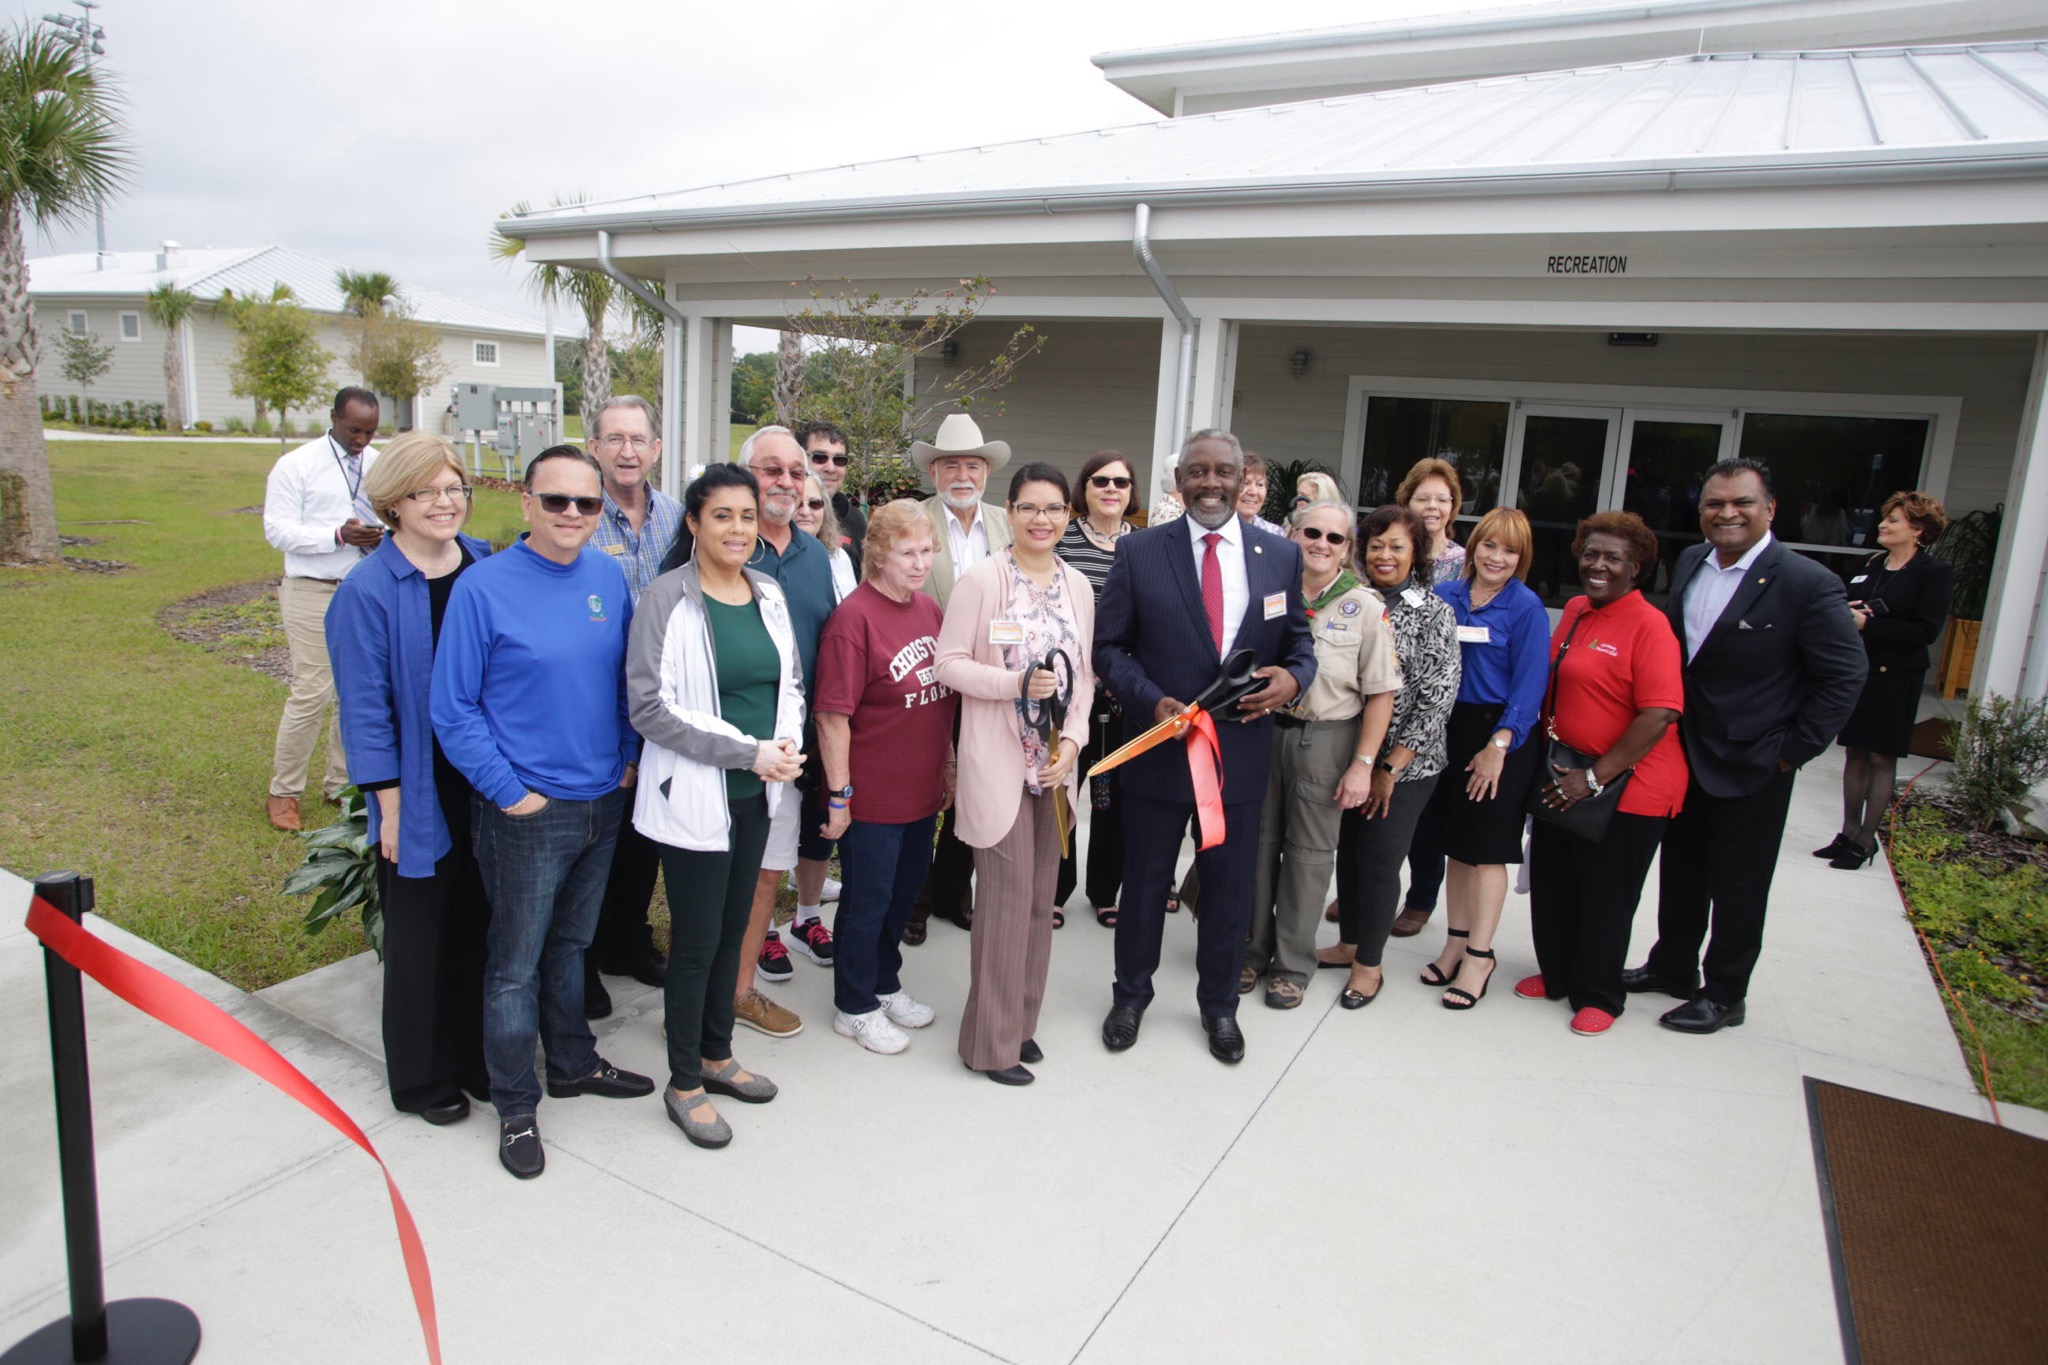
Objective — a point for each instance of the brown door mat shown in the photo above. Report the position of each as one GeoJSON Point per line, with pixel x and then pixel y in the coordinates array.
{"type": "Point", "coordinates": [1933, 738]}
{"type": "Point", "coordinates": [1938, 1229]}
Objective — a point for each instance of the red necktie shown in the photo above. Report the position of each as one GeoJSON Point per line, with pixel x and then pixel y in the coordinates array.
{"type": "Point", "coordinates": [1212, 589]}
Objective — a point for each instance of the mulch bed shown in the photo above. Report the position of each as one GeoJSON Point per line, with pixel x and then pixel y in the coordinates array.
{"type": "Point", "coordinates": [252, 640]}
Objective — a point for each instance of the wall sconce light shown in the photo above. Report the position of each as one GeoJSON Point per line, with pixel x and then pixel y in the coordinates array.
{"type": "Point", "coordinates": [1297, 364]}
{"type": "Point", "coordinates": [948, 353]}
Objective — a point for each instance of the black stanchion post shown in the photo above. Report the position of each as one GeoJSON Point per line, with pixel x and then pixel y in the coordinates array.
{"type": "Point", "coordinates": [131, 1331]}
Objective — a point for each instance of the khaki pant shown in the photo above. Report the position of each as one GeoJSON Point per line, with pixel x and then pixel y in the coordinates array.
{"type": "Point", "coordinates": [1298, 845]}
{"type": "Point", "coordinates": [302, 603]}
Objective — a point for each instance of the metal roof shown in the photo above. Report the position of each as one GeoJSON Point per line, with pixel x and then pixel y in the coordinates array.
{"type": "Point", "coordinates": [1791, 113]}
{"type": "Point", "coordinates": [209, 271]}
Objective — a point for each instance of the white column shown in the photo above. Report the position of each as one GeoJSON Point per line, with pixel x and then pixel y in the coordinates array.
{"type": "Point", "coordinates": [1214, 374]}
{"type": "Point", "coordinates": [1151, 469]}
{"type": "Point", "coordinates": [721, 388]}
{"type": "Point", "coordinates": [673, 346]}
{"type": "Point", "coordinates": [700, 369]}
{"type": "Point", "coordinates": [2006, 662]}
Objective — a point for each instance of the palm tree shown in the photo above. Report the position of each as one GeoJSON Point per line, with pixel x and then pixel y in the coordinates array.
{"type": "Point", "coordinates": [63, 148]}
{"type": "Point", "coordinates": [168, 306]}
{"type": "Point", "coordinates": [365, 291]}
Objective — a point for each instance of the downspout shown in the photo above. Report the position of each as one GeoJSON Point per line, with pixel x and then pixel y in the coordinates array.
{"type": "Point", "coordinates": [672, 437]}
{"type": "Point", "coordinates": [1184, 374]}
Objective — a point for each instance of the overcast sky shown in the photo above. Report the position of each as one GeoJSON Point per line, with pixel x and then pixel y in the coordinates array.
{"type": "Point", "coordinates": [387, 134]}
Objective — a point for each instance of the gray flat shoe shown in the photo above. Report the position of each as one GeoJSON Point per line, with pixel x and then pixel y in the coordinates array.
{"type": "Point", "coordinates": [713, 1133]}
{"type": "Point", "coordinates": [756, 1090]}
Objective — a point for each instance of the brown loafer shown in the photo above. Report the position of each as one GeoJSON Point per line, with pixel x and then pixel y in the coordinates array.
{"type": "Point", "coordinates": [284, 813]}
{"type": "Point", "coordinates": [1409, 923]}
{"type": "Point", "coordinates": [1330, 912]}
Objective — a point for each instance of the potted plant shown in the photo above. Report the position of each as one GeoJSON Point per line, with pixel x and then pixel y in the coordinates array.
{"type": "Point", "coordinates": [1969, 545]}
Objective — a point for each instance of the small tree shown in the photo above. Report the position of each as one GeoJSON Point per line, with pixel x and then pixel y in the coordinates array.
{"type": "Point", "coordinates": [863, 346]}
{"type": "Point", "coordinates": [168, 307]}
{"type": "Point", "coordinates": [2001, 751]}
{"type": "Point", "coordinates": [365, 295]}
{"type": "Point", "coordinates": [398, 355]}
{"type": "Point", "coordinates": [278, 360]}
{"type": "Point", "coordinates": [86, 359]}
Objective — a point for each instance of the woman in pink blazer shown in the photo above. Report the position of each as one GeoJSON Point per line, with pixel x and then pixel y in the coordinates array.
{"type": "Point", "coordinates": [1017, 608]}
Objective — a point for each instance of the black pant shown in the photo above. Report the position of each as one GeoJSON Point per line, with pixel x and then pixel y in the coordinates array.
{"type": "Point", "coordinates": [1153, 831]}
{"type": "Point", "coordinates": [1369, 857]}
{"type": "Point", "coordinates": [1105, 822]}
{"type": "Point", "coordinates": [1426, 860]}
{"type": "Point", "coordinates": [434, 930]}
{"type": "Point", "coordinates": [1719, 854]}
{"type": "Point", "coordinates": [949, 887]}
{"type": "Point", "coordinates": [710, 896]}
{"type": "Point", "coordinates": [622, 932]}
{"type": "Point", "coordinates": [1582, 902]}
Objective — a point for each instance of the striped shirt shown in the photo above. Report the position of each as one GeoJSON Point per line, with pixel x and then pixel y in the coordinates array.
{"type": "Point", "coordinates": [639, 555]}
{"type": "Point", "coordinates": [1085, 555]}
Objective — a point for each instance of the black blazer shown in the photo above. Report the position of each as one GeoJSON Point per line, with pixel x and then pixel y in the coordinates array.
{"type": "Point", "coordinates": [1916, 600]}
{"type": "Point", "coordinates": [1152, 641]}
{"type": "Point", "coordinates": [1775, 678]}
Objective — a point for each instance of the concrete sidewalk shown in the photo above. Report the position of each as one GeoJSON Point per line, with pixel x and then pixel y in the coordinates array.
{"type": "Point", "coordinates": [1400, 1183]}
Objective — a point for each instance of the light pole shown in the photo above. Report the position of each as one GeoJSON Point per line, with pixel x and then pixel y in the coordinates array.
{"type": "Point", "coordinates": [85, 35]}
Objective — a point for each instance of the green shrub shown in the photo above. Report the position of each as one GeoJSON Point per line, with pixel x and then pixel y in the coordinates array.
{"type": "Point", "coordinates": [2001, 751]}
{"type": "Point", "coordinates": [261, 426]}
{"type": "Point", "coordinates": [1971, 972]}
{"type": "Point", "coordinates": [205, 426]}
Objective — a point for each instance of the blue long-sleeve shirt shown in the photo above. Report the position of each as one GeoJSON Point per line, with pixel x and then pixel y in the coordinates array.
{"type": "Point", "coordinates": [1511, 667]}
{"type": "Point", "coordinates": [530, 677]}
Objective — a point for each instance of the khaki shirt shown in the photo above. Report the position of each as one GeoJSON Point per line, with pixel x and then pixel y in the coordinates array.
{"type": "Point", "coordinates": [1355, 657]}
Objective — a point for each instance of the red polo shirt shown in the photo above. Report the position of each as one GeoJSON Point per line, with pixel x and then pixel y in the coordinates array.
{"type": "Point", "coordinates": [1623, 659]}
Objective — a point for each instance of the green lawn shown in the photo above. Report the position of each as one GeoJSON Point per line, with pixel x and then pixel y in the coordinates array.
{"type": "Point", "coordinates": [136, 758]}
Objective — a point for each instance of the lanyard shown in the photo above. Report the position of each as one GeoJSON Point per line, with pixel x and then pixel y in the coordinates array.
{"type": "Point", "coordinates": [366, 515]}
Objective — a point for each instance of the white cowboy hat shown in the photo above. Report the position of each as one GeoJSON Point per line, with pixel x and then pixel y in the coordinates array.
{"type": "Point", "coordinates": [958, 435]}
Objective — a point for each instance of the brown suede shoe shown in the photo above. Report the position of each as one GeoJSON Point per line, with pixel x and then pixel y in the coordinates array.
{"type": "Point", "coordinates": [1409, 923]}
{"type": "Point", "coordinates": [284, 813]}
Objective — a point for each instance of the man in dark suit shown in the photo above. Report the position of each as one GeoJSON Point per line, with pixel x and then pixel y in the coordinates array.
{"type": "Point", "coordinates": [1773, 667]}
{"type": "Point", "coordinates": [1179, 599]}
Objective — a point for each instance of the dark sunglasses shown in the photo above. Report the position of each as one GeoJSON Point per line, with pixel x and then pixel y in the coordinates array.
{"type": "Point", "coordinates": [815, 504]}
{"type": "Point", "coordinates": [1108, 481]}
{"type": "Point", "coordinates": [558, 503]}
{"type": "Point", "coordinates": [820, 457]}
{"type": "Point", "coordinates": [1338, 540]}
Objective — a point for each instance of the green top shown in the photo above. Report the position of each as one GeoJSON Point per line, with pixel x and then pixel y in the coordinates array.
{"type": "Point", "coordinates": [749, 680]}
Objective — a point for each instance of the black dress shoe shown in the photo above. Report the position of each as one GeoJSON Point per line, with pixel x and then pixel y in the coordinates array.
{"type": "Point", "coordinates": [1120, 1028]}
{"type": "Point", "coordinates": [962, 918]}
{"type": "Point", "coordinates": [1226, 1042]}
{"type": "Point", "coordinates": [1701, 1015]}
{"type": "Point", "coordinates": [913, 933]}
{"type": "Point", "coordinates": [1638, 980]}
{"type": "Point", "coordinates": [644, 965]}
{"type": "Point", "coordinates": [519, 1149]}
{"type": "Point", "coordinates": [597, 1001]}
{"type": "Point", "coordinates": [447, 1111]}
{"type": "Point", "coordinates": [1011, 1075]}
{"type": "Point", "coordinates": [607, 1081]}
{"type": "Point", "coordinates": [1030, 1052]}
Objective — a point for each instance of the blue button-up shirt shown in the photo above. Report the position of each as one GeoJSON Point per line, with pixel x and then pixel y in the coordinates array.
{"type": "Point", "coordinates": [1511, 668]}
{"type": "Point", "coordinates": [640, 555]}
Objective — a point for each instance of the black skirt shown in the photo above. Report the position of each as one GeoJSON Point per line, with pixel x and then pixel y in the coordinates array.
{"type": "Point", "coordinates": [1481, 833]}
{"type": "Point", "coordinates": [1883, 719]}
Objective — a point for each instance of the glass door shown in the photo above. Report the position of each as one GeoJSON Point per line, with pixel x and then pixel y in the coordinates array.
{"type": "Point", "coordinates": [1560, 461]}
{"type": "Point", "coordinates": [1667, 453]}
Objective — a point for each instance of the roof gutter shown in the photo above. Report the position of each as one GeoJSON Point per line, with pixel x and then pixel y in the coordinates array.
{"type": "Point", "coordinates": [639, 291]}
{"type": "Point", "coordinates": [671, 371]}
{"type": "Point", "coordinates": [1184, 369]}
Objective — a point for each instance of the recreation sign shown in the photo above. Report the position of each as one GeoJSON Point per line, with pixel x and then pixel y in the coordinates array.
{"type": "Point", "coordinates": [1585, 265]}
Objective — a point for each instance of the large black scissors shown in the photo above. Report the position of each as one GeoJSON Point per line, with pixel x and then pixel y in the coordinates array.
{"type": "Point", "coordinates": [1048, 716]}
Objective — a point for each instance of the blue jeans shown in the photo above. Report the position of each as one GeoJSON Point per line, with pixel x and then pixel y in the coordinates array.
{"type": "Point", "coordinates": [544, 875]}
{"type": "Point", "coordinates": [882, 868]}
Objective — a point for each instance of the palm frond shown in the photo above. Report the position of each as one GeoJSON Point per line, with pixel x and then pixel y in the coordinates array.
{"type": "Point", "coordinates": [63, 144]}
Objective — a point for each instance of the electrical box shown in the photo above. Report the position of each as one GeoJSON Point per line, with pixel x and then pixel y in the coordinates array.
{"type": "Point", "coordinates": [520, 422]}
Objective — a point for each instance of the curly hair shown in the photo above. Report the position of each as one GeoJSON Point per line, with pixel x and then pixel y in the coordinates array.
{"type": "Point", "coordinates": [1928, 517]}
{"type": "Point", "coordinates": [1642, 541]}
{"type": "Point", "coordinates": [1381, 520]}
{"type": "Point", "coordinates": [1431, 468]}
{"type": "Point", "coordinates": [888, 524]}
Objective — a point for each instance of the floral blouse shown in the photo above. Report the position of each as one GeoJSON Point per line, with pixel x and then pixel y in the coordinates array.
{"type": "Point", "coordinates": [1048, 621]}
{"type": "Point", "coordinates": [1426, 640]}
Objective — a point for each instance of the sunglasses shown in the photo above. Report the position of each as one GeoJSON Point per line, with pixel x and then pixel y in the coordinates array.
{"type": "Point", "coordinates": [558, 503]}
{"type": "Point", "coordinates": [1108, 481]}
{"type": "Point", "coordinates": [820, 457]}
{"type": "Point", "coordinates": [1338, 540]}
{"type": "Point", "coordinates": [815, 504]}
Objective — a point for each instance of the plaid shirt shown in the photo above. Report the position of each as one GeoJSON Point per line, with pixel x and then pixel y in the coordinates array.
{"type": "Point", "coordinates": [639, 555]}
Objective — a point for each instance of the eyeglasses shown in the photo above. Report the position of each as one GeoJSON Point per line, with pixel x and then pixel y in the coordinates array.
{"type": "Point", "coordinates": [1338, 540]}
{"type": "Point", "coordinates": [1031, 511]}
{"type": "Point", "coordinates": [454, 492]}
{"type": "Point", "coordinates": [822, 457]}
{"type": "Point", "coordinates": [558, 503]}
{"type": "Point", "coordinates": [1108, 481]}
{"type": "Point", "coordinates": [774, 472]}
{"type": "Point", "coordinates": [815, 504]}
{"type": "Point", "coordinates": [616, 441]}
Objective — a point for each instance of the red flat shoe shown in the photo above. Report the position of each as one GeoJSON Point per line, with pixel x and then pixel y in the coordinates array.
{"type": "Point", "coordinates": [1589, 1022]}
{"type": "Point", "coordinates": [1532, 988]}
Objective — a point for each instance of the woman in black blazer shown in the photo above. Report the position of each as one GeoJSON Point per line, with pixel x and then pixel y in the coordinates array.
{"type": "Point", "coordinates": [1900, 598]}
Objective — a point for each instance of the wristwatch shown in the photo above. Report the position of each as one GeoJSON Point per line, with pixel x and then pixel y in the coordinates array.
{"type": "Point", "coordinates": [844, 793]}
{"type": "Point", "coordinates": [1594, 784]}
{"type": "Point", "coordinates": [1387, 767]}
{"type": "Point", "coordinates": [1500, 743]}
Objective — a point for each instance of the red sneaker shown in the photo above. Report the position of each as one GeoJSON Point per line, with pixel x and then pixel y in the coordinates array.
{"type": "Point", "coordinates": [1590, 1022]}
{"type": "Point", "coordinates": [1531, 988]}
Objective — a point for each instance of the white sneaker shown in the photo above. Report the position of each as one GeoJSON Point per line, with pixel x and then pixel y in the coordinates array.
{"type": "Point", "coordinates": [872, 1031]}
{"type": "Point", "coordinates": [831, 891]}
{"type": "Point", "coordinates": [903, 1009]}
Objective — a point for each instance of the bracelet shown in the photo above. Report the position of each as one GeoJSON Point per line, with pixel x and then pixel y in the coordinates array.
{"type": "Point", "coordinates": [833, 804]}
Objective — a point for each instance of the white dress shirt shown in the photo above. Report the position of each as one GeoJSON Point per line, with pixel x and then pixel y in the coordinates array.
{"type": "Point", "coordinates": [1711, 590]}
{"type": "Point", "coordinates": [307, 498]}
{"type": "Point", "coordinates": [1237, 591]}
{"type": "Point", "coordinates": [968, 544]}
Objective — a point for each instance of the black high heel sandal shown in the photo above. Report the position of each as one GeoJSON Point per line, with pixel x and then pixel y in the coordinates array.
{"type": "Point", "coordinates": [1464, 999]}
{"type": "Point", "coordinates": [1853, 855]}
{"type": "Point", "coordinates": [1431, 976]}
{"type": "Point", "coordinates": [1835, 848]}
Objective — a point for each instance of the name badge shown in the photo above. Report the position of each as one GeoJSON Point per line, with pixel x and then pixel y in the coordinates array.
{"type": "Point", "coordinates": [1276, 605]}
{"type": "Point", "coordinates": [1474, 635]}
{"type": "Point", "coordinates": [1859, 578]}
{"type": "Point", "coordinates": [1006, 632]}
{"type": "Point", "coordinates": [614, 549]}
{"type": "Point", "coordinates": [1413, 597]}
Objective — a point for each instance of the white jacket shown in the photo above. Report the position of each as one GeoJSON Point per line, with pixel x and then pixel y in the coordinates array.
{"type": "Point", "coordinates": [672, 694]}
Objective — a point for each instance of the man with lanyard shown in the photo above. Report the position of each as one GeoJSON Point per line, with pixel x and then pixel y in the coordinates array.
{"type": "Point", "coordinates": [314, 511]}
{"type": "Point", "coordinates": [825, 447]}
{"type": "Point", "coordinates": [638, 528]}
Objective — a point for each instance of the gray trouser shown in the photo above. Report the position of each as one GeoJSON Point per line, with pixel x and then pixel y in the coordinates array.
{"type": "Point", "coordinates": [1297, 845]}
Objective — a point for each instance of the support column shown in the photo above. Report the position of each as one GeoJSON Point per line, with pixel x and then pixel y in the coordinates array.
{"type": "Point", "coordinates": [1152, 468]}
{"type": "Point", "coordinates": [700, 377]}
{"type": "Point", "coordinates": [1214, 374]}
{"type": "Point", "coordinates": [673, 463]}
{"type": "Point", "coordinates": [2012, 653]}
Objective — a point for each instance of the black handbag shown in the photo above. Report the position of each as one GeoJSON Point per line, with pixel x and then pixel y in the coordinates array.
{"type": "Point", "coordinates": [1588, 818]}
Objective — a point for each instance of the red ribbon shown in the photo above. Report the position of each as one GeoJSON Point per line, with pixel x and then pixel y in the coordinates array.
{"type": "Point", "coordinates": [1205, 769]}
{"type": "Point", "coordinates": [205, 1023]}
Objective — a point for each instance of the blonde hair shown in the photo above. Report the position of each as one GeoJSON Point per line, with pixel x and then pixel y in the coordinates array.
{"type": "Point", "coordinates": [887, 525]}
{"type": "Point", "coordinates": [405, 466]}
{"type": "Point", "coordinates": [1508, 527]}
{"type": "Point", "coordinates": [1318, 487]}
{"type": "Point", "coordinates": [828, 520]}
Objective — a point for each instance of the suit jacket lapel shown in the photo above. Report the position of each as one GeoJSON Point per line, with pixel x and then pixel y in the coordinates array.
{"type": "Point", "coordinates": [1180, 554]}
{"type": "Point", "coordinates": [1747, 591]}
{"type": "Point", "coordinates": [1674, 605]}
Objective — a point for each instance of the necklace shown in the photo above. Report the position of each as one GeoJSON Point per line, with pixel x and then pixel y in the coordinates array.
{"type": "Point", "coordinates": [1101, 541]}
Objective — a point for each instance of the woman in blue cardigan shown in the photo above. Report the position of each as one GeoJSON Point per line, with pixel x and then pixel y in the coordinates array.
{"type": "Point", "coordinates": [381, 630]}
